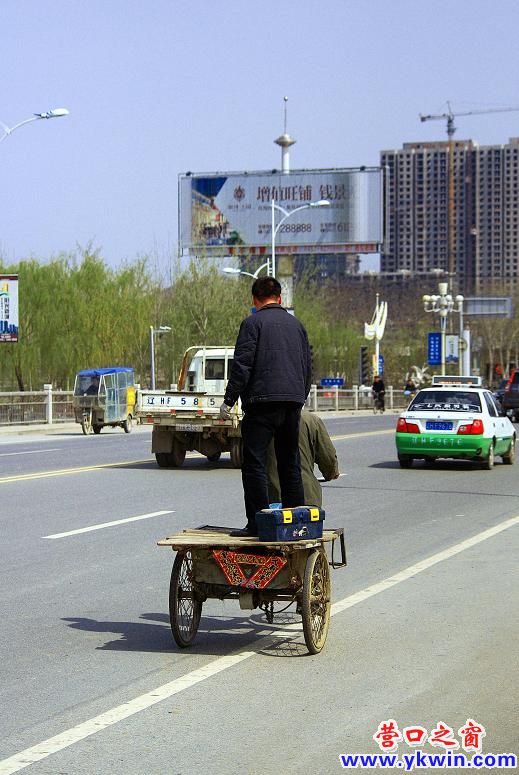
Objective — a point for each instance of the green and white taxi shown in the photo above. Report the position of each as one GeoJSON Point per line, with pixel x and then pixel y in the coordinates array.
{"type": "Point", "coordinates": [454, 418]}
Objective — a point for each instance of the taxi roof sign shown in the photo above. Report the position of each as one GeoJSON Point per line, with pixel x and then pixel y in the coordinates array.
{"type": "Point", "coordinates": [456, 379]}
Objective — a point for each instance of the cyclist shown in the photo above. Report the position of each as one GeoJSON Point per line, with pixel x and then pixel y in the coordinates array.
{"type": "Point", "coordinates": [378, 390]}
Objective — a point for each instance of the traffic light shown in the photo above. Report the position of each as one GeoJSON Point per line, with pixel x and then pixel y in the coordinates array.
{"type": "Point", "coordinates": [363, 365]}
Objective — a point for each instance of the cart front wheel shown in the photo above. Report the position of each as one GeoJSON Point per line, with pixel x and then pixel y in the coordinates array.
{"type": "Point", "coordinates": [316, 601]}
{"type": "Point", "coordinates": [184, 608]}
{"type": "Point", "coordinates": [86, 423]}
{"type": "Point", "coordinates": [127, 424]}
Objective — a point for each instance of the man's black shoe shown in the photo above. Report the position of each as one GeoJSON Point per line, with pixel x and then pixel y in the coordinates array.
{"type": "Point", "coordinates": [244, 532]}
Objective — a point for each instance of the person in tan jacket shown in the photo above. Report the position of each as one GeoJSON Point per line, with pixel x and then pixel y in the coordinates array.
{"type": "Point", "coordinates": [315, 447]}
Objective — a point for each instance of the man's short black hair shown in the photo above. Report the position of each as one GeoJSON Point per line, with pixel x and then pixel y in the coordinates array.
{"type": "Point", "coordinates": [266, 288]}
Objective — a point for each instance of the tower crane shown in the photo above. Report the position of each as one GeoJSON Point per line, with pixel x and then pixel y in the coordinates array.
{"type": "Point", "coordinates": [449, 117]}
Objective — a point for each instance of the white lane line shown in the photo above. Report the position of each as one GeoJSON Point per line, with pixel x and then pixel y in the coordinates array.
{"type": "Point", "coordinates": [113, 716]}
{"type": "Point", "coordinates": [73, 735]}
{"type": "Point", "coordinates": [30, 452]}
{"type": "Point", "coordinates": [418, 567]}
{"type": "Point", "coordinates": [108, 524]}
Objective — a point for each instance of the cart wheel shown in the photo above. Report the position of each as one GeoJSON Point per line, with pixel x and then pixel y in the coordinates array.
{"type": "Point", "coordinates": [184, 608]}
{"type": "Point", "coordinates": [127, 424]}
{"type": "Point", "coordinates": [237, 452]}
{"type": "Point", "coordinates": [86, 423]}
{"type": "Point", "coordinates": [316, 601]}
{"type": "Point", "coordinates": [97, 428]}
{"type": "Point", "coordinates": [214, 458]}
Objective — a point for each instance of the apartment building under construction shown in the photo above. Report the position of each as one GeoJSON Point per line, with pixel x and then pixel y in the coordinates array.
{"type": "Point", "coordinates": [456, 215]}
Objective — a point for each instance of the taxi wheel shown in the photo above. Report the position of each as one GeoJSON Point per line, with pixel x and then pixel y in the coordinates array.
{"type": "Point", "coordinates": [509, 458]}
{"type": "Point", "coordinates": [405, 461]}
{"type": "Point", "coordinates": [488, 462]}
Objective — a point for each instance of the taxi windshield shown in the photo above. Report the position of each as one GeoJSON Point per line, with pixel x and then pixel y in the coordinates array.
{"type": "Point", "coordinates": [445, 401]}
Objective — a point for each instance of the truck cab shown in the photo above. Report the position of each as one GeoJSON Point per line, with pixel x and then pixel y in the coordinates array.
{"type": "Point", "coordinates": [206, 369]}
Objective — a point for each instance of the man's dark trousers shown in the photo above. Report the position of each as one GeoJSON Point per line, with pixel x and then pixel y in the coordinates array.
{"type": "Point", "coordinates": [261, 422]}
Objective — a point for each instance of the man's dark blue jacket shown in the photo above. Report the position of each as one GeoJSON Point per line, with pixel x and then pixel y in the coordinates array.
{"type": "Point", "coordinates": [272, 360]}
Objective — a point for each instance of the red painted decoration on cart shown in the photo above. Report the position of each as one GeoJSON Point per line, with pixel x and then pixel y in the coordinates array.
{"type": "Point", "coordinates": [269, 566]}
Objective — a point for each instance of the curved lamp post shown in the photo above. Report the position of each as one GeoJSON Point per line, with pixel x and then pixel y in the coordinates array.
{"type": "Point", "coordinates": [55, 113]}
{"type": "Point", "coordinates": [160, 330]}
{"type": "Point", "coordinates": [443, 305]}
{"type": "Point", "coordinates": [255, 275]}
{"type": "Point", "coordinates": [288, 214]}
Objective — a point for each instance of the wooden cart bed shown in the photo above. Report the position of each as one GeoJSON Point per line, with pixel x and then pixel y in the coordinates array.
{"type": "Point", "coordinates": [210, 536]}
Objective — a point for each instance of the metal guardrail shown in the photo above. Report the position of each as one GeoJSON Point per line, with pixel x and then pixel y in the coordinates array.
{"type": "Point", "coordinates": [36, 407]}
{"type": "Point", "coordinates": [337, 399]}
{"type": "Point", "coordinates": [54, 406]}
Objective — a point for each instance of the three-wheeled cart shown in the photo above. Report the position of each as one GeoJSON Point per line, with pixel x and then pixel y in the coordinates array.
{"type": "Point", "coordinates": [104, 397]}
{"type": "Point", "coordinates": [210, 563]}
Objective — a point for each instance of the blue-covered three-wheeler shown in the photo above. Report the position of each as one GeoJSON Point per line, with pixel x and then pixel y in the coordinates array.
{"type": "Point", "coordinates": [104, 397]}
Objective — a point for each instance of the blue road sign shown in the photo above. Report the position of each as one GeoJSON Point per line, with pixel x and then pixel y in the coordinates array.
{"type": "Point", "coordinates": [434, 348]}
{"type": "Point", "coordinates": [332, 381]}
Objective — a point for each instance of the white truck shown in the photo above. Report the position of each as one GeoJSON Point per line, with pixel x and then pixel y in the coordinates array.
{"type": "Point", "coordinates": [188, 418]}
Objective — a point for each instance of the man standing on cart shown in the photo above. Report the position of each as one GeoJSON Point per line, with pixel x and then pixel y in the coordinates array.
{"type": "Point", "coordinates": [271, 373]}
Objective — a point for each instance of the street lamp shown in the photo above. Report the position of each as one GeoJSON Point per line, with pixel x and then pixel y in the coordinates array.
{"type": "Point", "coordinates": [288, 214]}
{"type": "Point", "coordinates": [234, 270]}
{"type": "Point", "coordinates": [443, 304]}
{"type": "Point", "coordinates": [55, 113]}
{"type": "Point", "coordinates": [160, 330]}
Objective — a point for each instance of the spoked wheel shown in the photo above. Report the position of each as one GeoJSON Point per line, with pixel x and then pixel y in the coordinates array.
{"type": "Point", "coordinates": [316, 601]}
{"type": "Point", "coordinates": [184, 608]}
{"type": "Point", "coordinates": [86, 423]}
{"type": "Point", "coordinates": [237, 452]}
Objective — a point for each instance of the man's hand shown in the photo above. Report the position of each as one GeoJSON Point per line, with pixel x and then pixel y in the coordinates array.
{"type": "Point", "coordinates": [225, 411]}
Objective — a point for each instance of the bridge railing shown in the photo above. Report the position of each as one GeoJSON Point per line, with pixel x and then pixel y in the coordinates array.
{"type": "Point", "coordinates": [36, 407]}
{"type": "Point", "coordinates": [337, 399]}
{"type": "Point", "coordinates": [55, 406]}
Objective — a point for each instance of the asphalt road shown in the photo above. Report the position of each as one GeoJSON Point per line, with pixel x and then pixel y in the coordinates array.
{"type": "Point", "coordinates": [424, 626]}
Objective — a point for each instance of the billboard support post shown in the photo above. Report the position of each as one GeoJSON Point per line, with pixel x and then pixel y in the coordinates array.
{"type": "Point", "coordinates": [287, 214]}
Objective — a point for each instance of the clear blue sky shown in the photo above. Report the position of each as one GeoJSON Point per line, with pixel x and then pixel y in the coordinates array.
{"type": "Point", "coordinates": [160, 87]}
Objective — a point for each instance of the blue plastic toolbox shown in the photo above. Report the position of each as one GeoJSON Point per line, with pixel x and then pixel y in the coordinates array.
{"type": "Point", "coordinates": [290, 524]}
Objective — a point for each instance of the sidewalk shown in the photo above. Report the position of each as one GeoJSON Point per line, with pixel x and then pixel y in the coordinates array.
{"type": "Point", "coordinates": [55, 428]}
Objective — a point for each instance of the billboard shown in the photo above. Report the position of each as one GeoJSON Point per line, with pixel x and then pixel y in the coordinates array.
{"type": "Point", "coordinates": [231, 213]}
{"type": "Point", "coordinates": [8, 308]}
